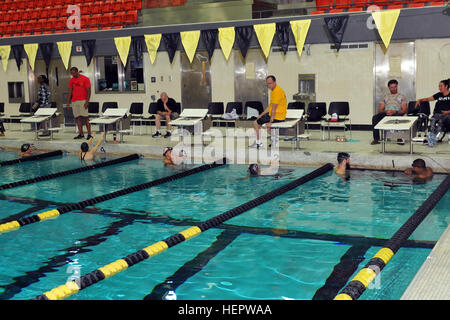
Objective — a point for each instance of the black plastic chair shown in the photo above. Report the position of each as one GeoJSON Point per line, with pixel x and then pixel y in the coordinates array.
{"type": "Point", "coordinates": [255, 105]}
{"type": "Point", "coordinates": [234, 105]}
{"type": "Point", "coordinates": [422, 112]}
{"type": "Point", "coordinates": [93, 109]}
{"type": "Point", "coordinates": [424, 108]}
{"type": "Point", "coordinates": [216, 108]}
{"type": "Point", "coordinates": [109, 105]}
{"type": "Point", "coordinates": [296, 105]}
{"type": "Point", "coordinates": [25, 107]}
{"type": "Point", "coordinates": [315, 113]}
{"type": "Point", "coordinates": [177, 108]}
{"type": "Point", "coordinates": [136, 111]}
{"type": "Point", "coordinates": [342, 109]}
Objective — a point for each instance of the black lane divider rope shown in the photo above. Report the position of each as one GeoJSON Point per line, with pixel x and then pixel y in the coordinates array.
{"type": "Point", "coordinates": [117, 266]}
{"type": "Point", "coordinates": [69, 172]}
{"type": "Point", "coordinates": [12, 225]}
{"type": "Point", "coordinates": [356, 287]}
{"type": "Point", "coordinates": [32, 158]}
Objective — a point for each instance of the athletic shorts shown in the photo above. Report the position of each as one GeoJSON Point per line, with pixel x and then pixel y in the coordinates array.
{"type": "Point", "coordinates": [265, 119]}
{"type": "Point", "coordinates": [79, 110]}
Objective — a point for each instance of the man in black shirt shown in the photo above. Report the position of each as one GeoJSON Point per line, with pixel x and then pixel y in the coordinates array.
{"type": "Point", "coordinates": [166, 106]}
{"type": "Point", "coordinates": [440, 122]}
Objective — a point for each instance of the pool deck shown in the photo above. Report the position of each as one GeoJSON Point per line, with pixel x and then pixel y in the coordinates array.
{"type": "Point", "coordinates": [312, 152]}
{"type": "Point", "coordinates": [432, 281]}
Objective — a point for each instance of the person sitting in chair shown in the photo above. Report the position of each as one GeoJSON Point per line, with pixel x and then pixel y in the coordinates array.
{"type": "Point", "coordinates": [275, 112]}
{"type": "Point", "coordinates": [393, 104]}
{"type": "Point", "coordinates": [166, 106]}
{"type": "Point", "coordinates": [440, 122]}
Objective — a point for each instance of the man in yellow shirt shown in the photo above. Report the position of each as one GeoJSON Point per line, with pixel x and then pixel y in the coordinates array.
{"type": "Point", "coordinates": [275, 112]}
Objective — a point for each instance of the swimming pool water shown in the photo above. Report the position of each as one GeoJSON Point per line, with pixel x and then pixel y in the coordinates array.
{"type": "Point", "coordinates": [286, 248]}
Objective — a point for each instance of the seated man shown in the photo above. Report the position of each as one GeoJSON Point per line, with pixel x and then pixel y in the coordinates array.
{"type": "Point", "coordinates": [275, 112]}
{"type": "Point", "coordinates": [85, 153]}
{"type": "Point", "coordinates": [166, 106]}
{"type": "Point", "coordinates": [393, 104]}
{"type": "Point", "coordinates": [419, 170]}
{"type": "Point", "coordinates": [440, 122]}
{"type": "Point", "coordinates": [170, 158]}
{"type": "Point", "coordinates": [27, 150]}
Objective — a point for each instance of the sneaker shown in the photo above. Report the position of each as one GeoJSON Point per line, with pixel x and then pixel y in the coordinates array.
{"type": "Point", "coordinates": [400, 141]}
{"type": "Point", "coordinates": [375, 142]}
{"type": "Point", "coordinates": [88, 137]}
{"type": "Point", "coordinates": [2, 134]}
{"type": "Point", "coordinates": [156, 135]}
{"type": "Point", "coordinates": [256, 145]}
{"type": "Point", "coordinates": [80, 136]}
{"type": "Point", "coordinates": [168, 134]}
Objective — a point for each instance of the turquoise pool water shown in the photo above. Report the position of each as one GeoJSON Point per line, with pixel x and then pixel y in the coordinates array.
{"type": "Point", "coordinates": [286, 248]}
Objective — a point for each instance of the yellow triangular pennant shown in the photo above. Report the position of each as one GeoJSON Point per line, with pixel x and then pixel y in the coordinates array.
{"type": "Point", "coordinates": [226, 40]}
{"type": "Point", "coordinates": [65, 50]}
{"type": "Point", "coordinates": [189, 39]}
{"type": "Point", "coordinates": [152, 41]}
{"type": "Point", "coordinates": [4, 54]}
{"type": "Point", "coordinates": [123, 48]}
{"type": "Point", "coordinates": [265, 34]}
{"type": "Point", "coordinates": [386, 21]}
{"type": "Point", "coordinates": [300, 30]}
{"type": "Point", "coordinates": [31, 50]}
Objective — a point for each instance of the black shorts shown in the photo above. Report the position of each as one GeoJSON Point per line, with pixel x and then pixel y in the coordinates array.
{"type": "Point", "coordinates": [265, 119]}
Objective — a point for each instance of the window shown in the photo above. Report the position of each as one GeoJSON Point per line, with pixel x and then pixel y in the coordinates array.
{"type": "Point", "coordinates": [112, 76]}
{"type": "Point", "coordinates": [15, 92]}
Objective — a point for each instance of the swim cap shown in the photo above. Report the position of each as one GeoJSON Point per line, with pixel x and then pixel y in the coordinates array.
{"type": "Point", "coordinates": [342, 156]}
{"type": "Point", "coordinates": [25, 147]}
{"type": "Point", "coordinates": [253, 168]}
{"type": "Point", "coordinates": [166, 149]}
{"type": "Point", "coordinates": [84, 147]}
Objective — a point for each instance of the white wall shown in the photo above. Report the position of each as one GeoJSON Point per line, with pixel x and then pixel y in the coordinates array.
{"type": "Point", "coordinates": [13, 75]}
{"type": "Point", "coordinates": [433, 65]}
{"type": "Point", "coordinates": [347, 76]}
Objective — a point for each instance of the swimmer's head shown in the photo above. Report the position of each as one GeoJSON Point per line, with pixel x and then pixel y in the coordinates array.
{"type": "Point", "coordinates": [419, 163]}
{"type": "Point", "coordinates": [84, 147]}
{"type": "Point", "coordinates": [253, 168]}
{"type": "Point", "coordinates": [166, 150]}
{"type": "Point", "coordinates": [342, 156]}
{"type": "Point", "coordinates": [25, 147]}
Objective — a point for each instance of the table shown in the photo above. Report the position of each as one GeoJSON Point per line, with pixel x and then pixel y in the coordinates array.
{"type": "Point", "coordinates": [396, 124]}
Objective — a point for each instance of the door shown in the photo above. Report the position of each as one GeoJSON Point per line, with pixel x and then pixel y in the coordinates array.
{"type": "Point", "coordinates": [195, 81]}
{"type": "Point", "coordinates": [58, 78]}
{"type": "Point", "coordinates": [397, 62]}
{"type": "Point", "coordinates": [250, 77]}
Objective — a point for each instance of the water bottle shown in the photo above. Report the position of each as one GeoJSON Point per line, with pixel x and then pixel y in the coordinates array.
{"type": "Point", "coordinates": [431, 139]}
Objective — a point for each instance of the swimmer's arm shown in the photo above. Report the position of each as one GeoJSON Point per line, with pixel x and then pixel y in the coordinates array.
{"type": "Point", "coordinates": [408, 172]}
{"type": "Point", "coordinates": [100, 140]}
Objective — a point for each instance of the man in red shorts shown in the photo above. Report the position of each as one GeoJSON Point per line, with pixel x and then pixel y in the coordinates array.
{"type": "Point", "coordinates": [78, 97]}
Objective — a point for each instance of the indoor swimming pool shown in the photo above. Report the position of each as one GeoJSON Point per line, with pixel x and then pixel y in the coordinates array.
{"type": "Point", "coordinates": [305, 244]}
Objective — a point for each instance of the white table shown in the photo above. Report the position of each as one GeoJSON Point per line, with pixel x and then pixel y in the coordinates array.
{"type": "Point", "coordinates": [42, 115]}
{"type": "Point", "coordinates": [390, 123]}
{"type": "Point", "coordinates": [111, 116]}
